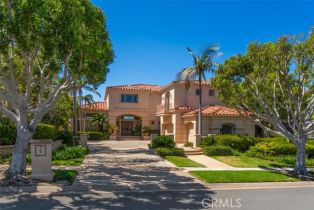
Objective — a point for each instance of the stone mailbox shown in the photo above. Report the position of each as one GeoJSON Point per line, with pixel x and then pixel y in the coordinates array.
{"type": "Point", "coordinates": [41, 159]}
{"type": "Point", "coordinates": [83, 139]}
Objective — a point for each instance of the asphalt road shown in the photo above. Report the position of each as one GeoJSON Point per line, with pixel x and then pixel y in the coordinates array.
{"type": "Point", "coordinates": [244, 199]}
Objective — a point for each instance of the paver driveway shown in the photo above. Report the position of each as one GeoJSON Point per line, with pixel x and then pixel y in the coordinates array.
{"type": "Point", "coordinates": [129, 165]}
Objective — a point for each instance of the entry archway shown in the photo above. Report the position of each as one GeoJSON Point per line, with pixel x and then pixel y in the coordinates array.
{"type": "Point", "coordinates": [129, 125]}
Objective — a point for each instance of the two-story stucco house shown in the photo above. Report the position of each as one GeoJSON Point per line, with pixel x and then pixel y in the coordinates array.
{"type": "Point", "coordinates": [172, 109]}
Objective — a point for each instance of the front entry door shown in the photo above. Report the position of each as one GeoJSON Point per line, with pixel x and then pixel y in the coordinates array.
{"type": "Point", "coordinates": [126, 128]}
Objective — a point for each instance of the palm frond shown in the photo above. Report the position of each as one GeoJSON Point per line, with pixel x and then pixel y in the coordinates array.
{"type": "Point", "coordinates": [192, 54]}
{"type": "Point", "coordinates": [188, 75]}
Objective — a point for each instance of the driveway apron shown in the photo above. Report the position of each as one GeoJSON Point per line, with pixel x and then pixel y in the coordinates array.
{"type": "Point", "coordinates": [130, 165]}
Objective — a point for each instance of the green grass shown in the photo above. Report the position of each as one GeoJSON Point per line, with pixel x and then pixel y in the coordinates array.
{"type": "Point", "coordinates": [241, 176]}
{"type": "Point", "coordinates": [70, 162]}
{"type": "Point", "coordinates": [182, 161]}
{"type": "Point", "coordinates": [248, 162]}
{"type": "Point", "coordinates": [64, 175]}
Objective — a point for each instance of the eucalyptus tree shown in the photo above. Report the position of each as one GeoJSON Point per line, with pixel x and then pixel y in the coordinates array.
{"type": "Point", "coordinates": [44, 47]}
{"type": "Point", "coordinates": [202, 64]}
{"type": "Point", "coordinates": [275, 81]}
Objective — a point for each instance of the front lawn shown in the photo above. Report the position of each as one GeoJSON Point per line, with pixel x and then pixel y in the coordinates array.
{"type": "Point", "coordinates": [241, 176]}
{"type": "Point", "coordinates": [182, 161]}
{"type": "Point", "coordinates": [248, 162]}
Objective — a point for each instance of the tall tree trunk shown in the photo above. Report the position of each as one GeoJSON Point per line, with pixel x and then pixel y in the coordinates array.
{"type": "Point", "coordinates": [200, 123]}
{"type": "Point", "coordinates": [18, 164]}
{"type": "Point", "coordinates": [74, 123]}
{"type": "Point", "coordinates": [300, 166]}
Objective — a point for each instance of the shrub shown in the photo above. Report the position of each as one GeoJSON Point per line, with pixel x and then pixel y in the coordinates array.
{"type": "Point", "coordinates": [7, 131]}
{"type": "Point", "coordinates": [310, 150]}
{"type": "Point", "coordinates": [272, 139]}
{"type": "Point", "coordinates": [67, 137]}
{"type": "Point", "coordinates": [147, 130]}
{"type": "Point", "coordinates": [94, 135]}
{"type": "Point", "coordinates": [66, 153]}
{"type": "Point", "coordinates": [240, 143]}
{"type": "Point", "coordinates": [208, 141]}
{"type": "Point", "coordinates": [165, 151]}
{"type": "Point", "coordinates": [163, 141]}
{"type": "Point", "coordinates": [45, 131]}
{"type": "Point", "coordinates": [271, 149]}
{"type": "Point", "coordinates": [218, 150]}
{"type": "Point", "coordinates": [188, 144]}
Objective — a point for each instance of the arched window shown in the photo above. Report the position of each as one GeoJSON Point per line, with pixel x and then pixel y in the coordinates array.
{"type": "Point", "coordinates": [227, 128]}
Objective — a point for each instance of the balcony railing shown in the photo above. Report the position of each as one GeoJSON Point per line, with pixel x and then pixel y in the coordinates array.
{"type": "Point", "coordinates": [163, 108]}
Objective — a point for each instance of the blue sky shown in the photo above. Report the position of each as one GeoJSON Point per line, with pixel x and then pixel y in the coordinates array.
{"type": "Point", "coordinates": [150, 37]}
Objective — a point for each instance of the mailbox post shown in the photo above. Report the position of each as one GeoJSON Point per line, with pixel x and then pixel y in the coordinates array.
{"type": "Point", "coordinates": [41, 159]}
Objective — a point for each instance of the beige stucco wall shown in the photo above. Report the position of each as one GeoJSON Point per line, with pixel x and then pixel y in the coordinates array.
{"type": "Point", "coordinates": [145, 108]}
{"type": "Point", "coordinates": [180, 96]}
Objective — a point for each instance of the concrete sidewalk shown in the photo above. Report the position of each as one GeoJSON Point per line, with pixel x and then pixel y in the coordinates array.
{"type": "Point", "coordinates": [209, 163]}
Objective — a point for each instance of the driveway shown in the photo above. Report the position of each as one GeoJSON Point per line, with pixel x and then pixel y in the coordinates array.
{"type": "Point", "coordinates": [130, 165]}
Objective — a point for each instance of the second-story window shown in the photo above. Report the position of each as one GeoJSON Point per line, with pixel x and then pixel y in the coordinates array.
{"type": "Point", "coordinates": [211, 93]}
{"type": "Point", "coordinates": [197, 92]}
{"type": "Point", "coordinates": [129, 98]}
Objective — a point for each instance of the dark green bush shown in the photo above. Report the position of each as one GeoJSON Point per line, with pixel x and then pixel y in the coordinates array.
{"type": "Point", "coordinates": [271, 149]}
{"type": "Point", "coordinates": [165, 151]}
{"type": "Point", "coordinates": [310, 150]}
{"type": "Point", "coordinates": [66, 153]}
{"type": "Point", "coordinates": [7, 131]}
{"type": "Point", "coordinates": [240, 143]}
{"type": "Point", "coordinates": [45, 131]}
{"type": "Point", "coordinates": [208, 141]}
{"type": "Point", "coordinates": [163, 141]}
{"type": "Point", "coordinates": [66, 137]}
{"type": "Point", "coordinates": [94, 135]}
{"type": "Point", "coordinates": [218, 150]}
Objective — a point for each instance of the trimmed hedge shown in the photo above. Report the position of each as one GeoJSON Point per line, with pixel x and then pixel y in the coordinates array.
{"type": "Point", "coordinates": [163, 141]}
{"type": "Point", "coordinates": [272, 139]}
{"type": "Point", "coordinates": [271, 149]}
{"type": "Point", "coordinates": [7, 131]}
{"type": "Point", "coordinates": [94, 135]}
{"type": "Point", "coordinates": [240, 143]}
{"type": "Point", "coordinates": [66, 153]}
{"type": "Point", "coordinates": [165, 151]}
{"type": "Point", "coordinates": [218, 150]}
{"type": "Point", "coordinates": [45, 131]}
{"type": "Point", "coordinates": [208, 141]}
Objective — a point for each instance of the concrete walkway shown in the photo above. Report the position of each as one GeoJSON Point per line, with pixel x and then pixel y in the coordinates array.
{"type": "Point", "coordinates": [210, 163]}
{"type": "Point", "coordinates": [129, 165]}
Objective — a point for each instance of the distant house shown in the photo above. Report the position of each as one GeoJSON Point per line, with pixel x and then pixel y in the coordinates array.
{"type": "Point", "coordinates": [170, 109]}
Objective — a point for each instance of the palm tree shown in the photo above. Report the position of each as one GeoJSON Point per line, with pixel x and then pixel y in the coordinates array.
{"type": "Point", "coordinates": [79, 99]}
{"type": "Point", "coordinates": [101, 120]}
{"type": "Point", "coordinates": [202, 63]}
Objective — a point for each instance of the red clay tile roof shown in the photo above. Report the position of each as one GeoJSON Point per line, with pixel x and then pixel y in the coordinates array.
{"type": "Point", "coordinates": [218, 110]}
{"type": "Point", "coordinates": [97, 106]}
{"type": "Point", "coordinates": [195, 82]}
{"type": "Point", "coordinates": [183, 108]}
{"type": "Point", "coordinates": [140, 87]}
